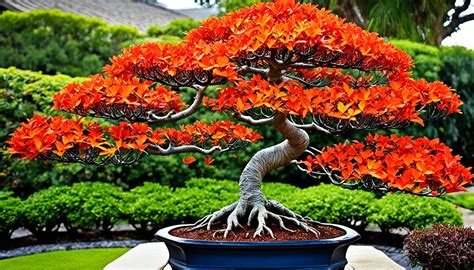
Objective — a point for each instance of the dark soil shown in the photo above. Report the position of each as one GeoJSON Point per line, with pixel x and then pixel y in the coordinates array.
{"type": "Point", "coordinates": [246, 234]}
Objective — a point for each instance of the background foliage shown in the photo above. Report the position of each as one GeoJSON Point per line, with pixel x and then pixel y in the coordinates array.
{"type": "Point", "coordinates": [92, 205]}
{"type": "Point", "coordinates": [58, 42]}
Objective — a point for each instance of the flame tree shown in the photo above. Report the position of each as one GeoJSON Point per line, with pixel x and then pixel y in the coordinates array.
{"type": "Point", "coordinates": [287, 65]}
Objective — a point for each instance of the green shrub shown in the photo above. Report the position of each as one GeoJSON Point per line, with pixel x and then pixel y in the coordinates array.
{"type": "Point", "coordinates": [44, 211]}
{"type": "Point", "coordinates": [214, 185]}
{"type": "Point", "coordinates": [93, 205]}
{"type": "Point", "coordinates": [22, 93]}
{"type": "Point", "coordinates": [146, 207]}
{"type": "Point", "coordinates": [164, 39]}
{"type": "Point", "coordinates": [425, 57]}
{"type": "Point", "coordinates": [333, 204]}
{"type": "Point", "coordinates": [412, 212]}
{"type": "Point", "coordinates": [187, 205]}
{"type": "Point", "coordinates": [465, 200]}
{"type": "Point", "coordinates": [9, 214]}
{"type": "Point", "coordinates": [177, 28]}
{"type": "Point", "coordinates": [56, 42]}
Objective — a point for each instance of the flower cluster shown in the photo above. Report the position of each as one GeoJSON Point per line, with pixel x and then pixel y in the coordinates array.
{"type": "Point", "coordinates": [403, 163]}
{"type": "Point", "coordinates": [55, 137]}
{"type": "Point", "coordinates": [109, 96]}
{"type": "Point", "coordinates": [398, 102]}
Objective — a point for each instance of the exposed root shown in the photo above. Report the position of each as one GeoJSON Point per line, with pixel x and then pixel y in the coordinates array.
{"type": "Point", "coordinates": [259, 213]}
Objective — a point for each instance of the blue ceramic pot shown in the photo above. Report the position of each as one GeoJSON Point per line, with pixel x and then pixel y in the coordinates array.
{"type": "Point", "coordinates": [307, 254]}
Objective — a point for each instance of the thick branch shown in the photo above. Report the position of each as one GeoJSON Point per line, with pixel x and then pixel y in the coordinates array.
{"type": "Point", "coordinates": [249, 120]}
{"type": "Point", "coordinates": [175, 116]}
{"type": "Point", "coordinates": [170, 150]}
{"type": "Point", "coordinates": [270, 158]}
{"type": "Point", "coordinates": [254, 70]}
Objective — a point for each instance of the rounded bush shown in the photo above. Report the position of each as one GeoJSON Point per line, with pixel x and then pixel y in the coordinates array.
{"type": "Point", "coordinates": [146, 207]}
{"type": "Point", "coordinates": [44, 211]}
{"type": "Point", "coordinates": [9, 214]}
{"type": "Point", "coordinates": [93, 205]}
{"type": "Point", "coordinates": [412, 212]}
{"type": "Point", "coordinates": [333, 204]}
{"type": "Point", "coordinates": [177, 28]}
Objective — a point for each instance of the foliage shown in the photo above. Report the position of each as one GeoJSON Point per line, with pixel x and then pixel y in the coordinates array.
{"type": "Point", "coordinates": [465, 200]}
{"type": "Point", "coordinates": [177, 28]}
{"type": "Point", "coordinates": [428, 21]}
{"type": "Point", "coordinates": [333, 204]}
{"type": "Point", "coordinates": [87, 205]}
{"type": "Point", "coordinates": [412, 212]}
{"type": "Point", "coordinates": [44, 211]}
{"type": "Point", "coordinates": [93, 205]}
{"type": "Point", "coordinates": [420, 166]}
{"type": "Point", "coordinates": [147, 206]}
{"type": "Point", "coordinates": [426, 59]}
{"type": "Point", "coordinates": [57, 42]}
{"type": "Point", "coordinates": [441, 247]}
{"type": "Point", "coordinates": [67, 140]}
{"type": "Point", "coordinates": [163, 38]}
{"type": "Point", "coordinates": [9, 214]}
{"type": "Point", "coordinates": [85, 259]}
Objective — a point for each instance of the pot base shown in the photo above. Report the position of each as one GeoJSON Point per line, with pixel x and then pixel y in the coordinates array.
{"type": "Point", "coordinates": [307, 254]}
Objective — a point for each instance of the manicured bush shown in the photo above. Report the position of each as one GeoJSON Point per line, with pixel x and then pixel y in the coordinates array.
{"type": "Point", "coordinates": [465, 200]}
{"type": "Point", "coordinates": [412, 212]}
{"type": "Point", "coordinates": [44, 211]}
{"type": "Point", "coordinates": [9, 214]}
{"type": "Point", "coordinates": [56, 42]}
{"type": "Point", "coordinates": [93, 205]}
{"type": "Point", "coordinates": [146, 207]}
{"type": "Point", "coordinates": [177, 28]}
{"type": "Point", "coordinates": [441, 247]}
{"type": "Point", "coordinates": [333, 204]}
{"type": "Point", "coordinates": [187, 205]}
{"type": "Point", "coordinates": [425, 57]}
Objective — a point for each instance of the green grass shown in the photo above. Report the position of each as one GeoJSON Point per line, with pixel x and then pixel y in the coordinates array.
{"type": "Point", "coordinates": [85, 259]}
{"type": "Point", "coordinates": [465, 200]}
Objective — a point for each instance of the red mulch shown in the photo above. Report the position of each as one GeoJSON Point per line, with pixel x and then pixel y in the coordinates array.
{"type": "Point", "coordinates": [246, 234]}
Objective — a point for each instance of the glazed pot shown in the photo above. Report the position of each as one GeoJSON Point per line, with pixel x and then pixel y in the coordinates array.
{"type": "Point", "coordinates": [306, 254]}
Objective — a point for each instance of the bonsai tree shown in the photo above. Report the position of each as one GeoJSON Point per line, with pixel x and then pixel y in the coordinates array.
{"type": "Point", "coordinates": [284, 64]}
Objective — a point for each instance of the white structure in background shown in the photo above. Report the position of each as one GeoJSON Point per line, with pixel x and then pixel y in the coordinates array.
{"type": "Point", "coordinates": [186, 7]}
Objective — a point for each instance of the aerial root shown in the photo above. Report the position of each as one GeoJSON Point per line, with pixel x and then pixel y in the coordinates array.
{"type": "Point", "coordinates": [261, 213]}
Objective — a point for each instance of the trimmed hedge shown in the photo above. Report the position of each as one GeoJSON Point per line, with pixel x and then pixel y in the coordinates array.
{"type": "Point", "coordinates": [177, 28]}
{"type": "Point", "coordinates": [465, 200]}
{"type": "Point", "coordinates": [333, 204]}
{"type": "Point", "coordinates": [56, 42]}
{"type": "Point", "coordinates": [87, 205]}
{"type": "Point", "coordinates": [9, 214]}
{"type": "Point", "coordinates": [412, 212]}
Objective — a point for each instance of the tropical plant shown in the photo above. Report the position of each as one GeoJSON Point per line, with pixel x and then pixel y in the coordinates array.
{"type": "Point", "coordinates": [287, 65]}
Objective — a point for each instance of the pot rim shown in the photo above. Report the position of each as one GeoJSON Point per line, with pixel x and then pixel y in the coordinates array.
{"type": "Point", "coordinates": [349, 237]}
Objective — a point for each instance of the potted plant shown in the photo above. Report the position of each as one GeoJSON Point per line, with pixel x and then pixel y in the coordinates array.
{"type": "Point", "coordinates": [283, 64]}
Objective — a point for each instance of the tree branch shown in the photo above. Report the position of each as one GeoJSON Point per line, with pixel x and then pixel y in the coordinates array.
{"type": "Point", "coordinates": [170, 150]}
{"type": "Point", "coordinates": [312, 126]}
{"type": "Point", "coordinates": [456, 20]}
{"type": "Point", "coordinates": [251, 121]}
{"type": "Point", "coordinates": [175, 116]}
{"type": "Point", "coordinates": [254, 70]}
